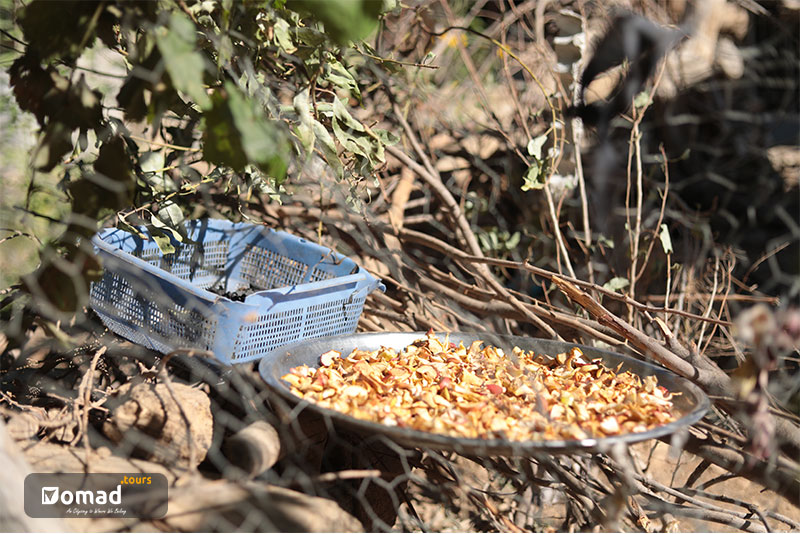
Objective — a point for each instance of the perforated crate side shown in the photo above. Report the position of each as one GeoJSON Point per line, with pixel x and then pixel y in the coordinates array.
{"type": "Point", "coordinates": [334, 314]}
{"type": "Point", "coordinates": [268, 259]}
{"type": "Point", "coordinates": [160, 301]}
{"type": "Point", "coordinates": [267, 269]}
{"type": "Point", "coordinates": [142, 312]}
{"type": "Point", "coordinates": [201, 264]}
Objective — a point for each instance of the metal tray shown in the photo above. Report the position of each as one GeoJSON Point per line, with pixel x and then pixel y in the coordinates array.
{"type": "Point", "coordinates": [690, 405]}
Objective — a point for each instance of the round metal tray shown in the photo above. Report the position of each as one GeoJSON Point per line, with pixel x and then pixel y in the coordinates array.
{"type": "Point", "coordinates": [690, 405]}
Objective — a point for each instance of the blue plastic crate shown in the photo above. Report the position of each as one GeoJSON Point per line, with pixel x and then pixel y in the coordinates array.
{"type": "Point", "coordinates": [300, 290]}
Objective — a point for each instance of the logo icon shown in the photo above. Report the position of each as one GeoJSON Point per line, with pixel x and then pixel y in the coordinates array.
{"type": "Point", "coordinates": [49, 494]}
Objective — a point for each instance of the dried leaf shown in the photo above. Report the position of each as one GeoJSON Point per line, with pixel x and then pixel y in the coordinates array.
{"type": "Point", "coordinates": [440, 387]}
{"type": "Point", "coordinates": [666, 240]}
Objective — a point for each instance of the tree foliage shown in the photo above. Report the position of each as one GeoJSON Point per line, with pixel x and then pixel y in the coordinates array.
{"type": "Point", "coordinates": [252, 90]}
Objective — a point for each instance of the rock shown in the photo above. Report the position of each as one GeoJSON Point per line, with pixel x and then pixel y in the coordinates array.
{"type": "Point", "coordinates": [21, 427]}
{"type": "Point", "coordinates": [146, 418]}
{"type": "Point", "coordinates": [254, 507]}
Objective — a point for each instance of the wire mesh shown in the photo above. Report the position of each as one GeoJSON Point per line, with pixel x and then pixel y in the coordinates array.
{"type": "Point", "coordinates": [680, 248]}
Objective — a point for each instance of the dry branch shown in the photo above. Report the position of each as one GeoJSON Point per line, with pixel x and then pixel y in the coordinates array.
{"type": "Point", "coordinates": [435, 183]}
{"type": "Point", "coordinates": [782, 480]}
{"type": "Point", "coordinates": [696, 368]}
{"type": "Point", "coordinates": [677, 358]}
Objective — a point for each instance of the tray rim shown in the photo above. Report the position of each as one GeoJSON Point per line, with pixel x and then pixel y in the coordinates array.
{"type": "Point", "coordinates": [499, 446]}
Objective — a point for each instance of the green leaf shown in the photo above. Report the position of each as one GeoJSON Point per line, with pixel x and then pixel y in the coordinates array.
{"type": "Point", "coordinates": [392, 5]}
{"type": "Point", "coordinates": [262, 141]}
{"type": "Point", "coordinates": [238, 133]}
{"type": "Point", "coordinates": [222, 142]}
{"type": "Point", "coordinates": [387, 137]}
{"type": "Point", "coordinates": [122, 225]}
{"type": "Point", "coordinates": [341, 77]}
{"type": "Point", "coordinates": [378, 154]}
{"type": "Point", "coordinates": [344, 20]}
{"type": "Point", "coordinates": [535, 146]}
{"type": "Point", "coordinates": [617, 283]}
{"type": "Point", "coordinates": [164, 235]}
{"type": "Point", "coordinates": [341, 113]}
{"type": "Point", "coordinates": [359, 143]}
{"type": "Point", "coordinates": [171, 213]}
{"type": "Point", "coordinates": [110, 187]}
{"type": "Point", "coordinates": [56, 30]}
{"type": "Point", "coordinates": [513, 241]}
{"type": "Point", "coordinates": [354, 136]}
{"type": "Point", "coordinates": [605, 241]}
{"type": "Point", "coordinates": [310, 37]}
{"type": "Point", "coordinates": [305, 130]}
{"type": "Point", "coordinates": [483, 240]}
{"type": "Point", "coordinates": [532, 179]}
{"type": "Point", "coordinates": [184, 63]}
{"type": "Point", "coordinates": [345, 138]}
{"type": "Point", "coordinates": [328, 147]}
{"type": "Point", "coordinates": [225, 51]}
{"type": "Point", "coordinates": [163, 241]}
{"type": "Point", "coordinates": [666, 240]}
{"type": "Point", "coordinates": [282, 37]}
{"type": "Point", "coordinates": [642, 99]}
{"type": "Point", "coordinates": [305, 133]}
{"type": "Point", "coordinates": [55, 144]}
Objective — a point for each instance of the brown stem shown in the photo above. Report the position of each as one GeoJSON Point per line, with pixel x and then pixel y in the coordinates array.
{"type": "Point", "coordinates": [713, 381]}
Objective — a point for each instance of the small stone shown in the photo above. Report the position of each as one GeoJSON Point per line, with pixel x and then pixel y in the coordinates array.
{"type": "Point", "coordinates": [147, 417]}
